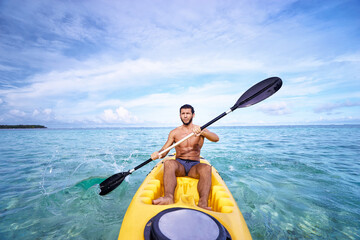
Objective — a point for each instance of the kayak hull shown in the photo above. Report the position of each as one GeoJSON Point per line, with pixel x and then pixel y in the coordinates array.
{"type": "Point", "coordinates": [141, 210]}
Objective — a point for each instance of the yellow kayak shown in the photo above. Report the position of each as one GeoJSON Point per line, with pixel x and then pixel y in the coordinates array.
{"type": "Point", "coordinates": [183, 219]}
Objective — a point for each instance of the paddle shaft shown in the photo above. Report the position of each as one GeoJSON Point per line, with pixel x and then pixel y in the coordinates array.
{"type": "Point", "coordinates": [182, 140]}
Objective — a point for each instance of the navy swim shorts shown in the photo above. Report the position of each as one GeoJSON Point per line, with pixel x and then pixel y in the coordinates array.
{"type": "Point", "coordinates": [188, 164]}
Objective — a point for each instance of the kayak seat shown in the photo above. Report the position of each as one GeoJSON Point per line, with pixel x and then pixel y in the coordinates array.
{"type": "Point", "coordinates": [186, 193]}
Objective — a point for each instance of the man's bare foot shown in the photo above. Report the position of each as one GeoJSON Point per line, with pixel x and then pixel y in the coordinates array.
{"type": "Point", "coordinates": [204, 205]}
{"type": "Point", "coordinates": [163, 201]}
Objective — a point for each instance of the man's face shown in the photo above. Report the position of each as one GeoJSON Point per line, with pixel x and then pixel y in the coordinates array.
{"type": "Point", "coordinates": [186, 116]}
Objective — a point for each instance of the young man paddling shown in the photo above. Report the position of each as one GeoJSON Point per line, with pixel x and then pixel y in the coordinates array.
{"type": "Point", "coordinates": [187, 161]}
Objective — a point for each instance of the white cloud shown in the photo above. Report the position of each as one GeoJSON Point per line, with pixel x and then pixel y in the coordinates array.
{"type": "Point", "coordinates": [47, 111]}
{"type": "Point", "coordinates": [17, 113]}
{"type": "Point", "coordinates": [35, 113]}
{"type": "Point", "coordinates": [7, 68]}
{"type": "Point", "coordinates": [353, 57]}
{"type": "Point", "coordinates": [276, 108]}
{"type": "Point", "coordinates": [329, 107]}
{"type": "Point", "coordinates": [101, 77]}
{"type": "Point", "coordinates": [119, 115]}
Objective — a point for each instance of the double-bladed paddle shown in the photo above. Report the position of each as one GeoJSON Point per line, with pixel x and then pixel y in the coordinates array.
{"type": "Point", "coordinates": [255, 94]}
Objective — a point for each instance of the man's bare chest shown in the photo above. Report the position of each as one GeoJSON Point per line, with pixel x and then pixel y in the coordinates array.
{"type": "Point", "coordinates": [190, 142]}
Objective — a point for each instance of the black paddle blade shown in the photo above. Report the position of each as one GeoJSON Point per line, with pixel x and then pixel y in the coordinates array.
{"type": "Point", "coordinates": [258, 92]}
{"type": "Point", "coordinates": [112, 182]}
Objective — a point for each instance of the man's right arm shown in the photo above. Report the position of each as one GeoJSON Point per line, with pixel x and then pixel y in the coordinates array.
{"type": "Point", "coordinates": [169, 142]}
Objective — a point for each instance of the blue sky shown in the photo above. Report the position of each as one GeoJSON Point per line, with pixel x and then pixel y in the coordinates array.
{"type": "Point", "coordinates": [134, 63]}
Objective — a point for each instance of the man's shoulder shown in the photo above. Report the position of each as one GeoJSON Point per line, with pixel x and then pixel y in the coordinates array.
{"type": "Point", "coordinates": [175, 130]}
{"type": "Point", "coordinates": [179, 130]}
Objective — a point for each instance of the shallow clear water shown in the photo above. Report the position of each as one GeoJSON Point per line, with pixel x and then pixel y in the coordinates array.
{"type": "Point", "coordinates": [289, 182]}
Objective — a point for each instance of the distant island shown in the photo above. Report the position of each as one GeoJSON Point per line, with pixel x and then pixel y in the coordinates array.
{"type": "Point", "coordinates": [20, 126]}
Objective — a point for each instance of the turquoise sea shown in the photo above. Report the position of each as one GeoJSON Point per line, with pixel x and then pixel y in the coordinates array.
{"type": "Point", "coordinates": [290, 182]}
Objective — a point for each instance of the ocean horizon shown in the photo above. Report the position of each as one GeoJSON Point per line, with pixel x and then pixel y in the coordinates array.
{"type": "Point", "coordinates": [170, 126]}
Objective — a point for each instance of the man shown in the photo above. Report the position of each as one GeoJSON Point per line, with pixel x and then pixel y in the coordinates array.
{"type": "Point", "coordinates": [187, 161]}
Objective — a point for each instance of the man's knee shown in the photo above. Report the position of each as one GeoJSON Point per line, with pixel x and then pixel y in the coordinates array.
{"type": "Point", "coordinates": [204, 169]}
{"type": "Point", "coordinates": [174, 167]}
{"type": "Point", "coordinates": [170, 165]}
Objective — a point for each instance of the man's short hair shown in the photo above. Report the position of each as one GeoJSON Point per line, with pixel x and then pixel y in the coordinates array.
{"type": "Point", "coordinates": [189, 107]}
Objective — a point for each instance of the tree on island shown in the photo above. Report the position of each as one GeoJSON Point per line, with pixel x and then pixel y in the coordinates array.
{"type": "Point", "coordinates": [20, 126]}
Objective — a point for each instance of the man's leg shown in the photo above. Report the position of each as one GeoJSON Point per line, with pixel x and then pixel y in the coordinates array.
{"type": "Point", "coordinates": [172, 169]}
{"type": "Point", "coordinates": [202, 172]}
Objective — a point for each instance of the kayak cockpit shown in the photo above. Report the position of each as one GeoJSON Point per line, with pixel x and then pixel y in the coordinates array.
{"type": "Point", "coordinates": [186, 191]}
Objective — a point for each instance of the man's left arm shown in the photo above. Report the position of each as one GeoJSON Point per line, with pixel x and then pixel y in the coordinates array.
{"type": "Point", "coordinates": [210, 135]}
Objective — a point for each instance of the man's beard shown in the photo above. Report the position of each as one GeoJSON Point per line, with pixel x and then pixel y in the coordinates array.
{"type": "Point", "coordinates": [187, 122]}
